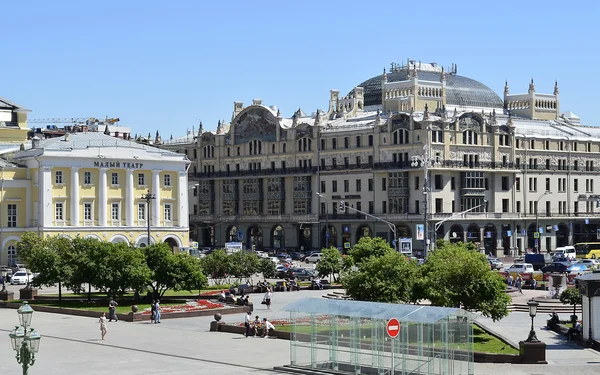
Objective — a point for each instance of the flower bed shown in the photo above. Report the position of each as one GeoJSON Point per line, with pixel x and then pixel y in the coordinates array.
{"type": "Point", "coordinates": [198, 305]}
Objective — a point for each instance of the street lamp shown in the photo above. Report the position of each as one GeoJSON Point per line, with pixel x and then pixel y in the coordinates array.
{"type": "Point", "coordinates": [148, 197]}
{"type": "Point", "coordinates": [24, 339]}
{"type": "Point", "coordinates": [344, 206]}
{"type": "Point", "coordinates": [537, 220]}
{"type": "Point", "coordinates": [426, 161]}
{"type": "Point", "coordinates": [322, 196]}
{"type": "Point", "coordinates": [533, 305]}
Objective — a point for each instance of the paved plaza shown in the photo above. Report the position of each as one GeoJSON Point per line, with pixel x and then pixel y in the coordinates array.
{"type": "Point", "coordinates": [183, 346]}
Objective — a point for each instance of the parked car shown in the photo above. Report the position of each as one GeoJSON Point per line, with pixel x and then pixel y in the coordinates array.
{"type": "Point", "coordinates": [566, 252]}
{"type": "Point", "coordinates": [20, 278]}
{"type": "Point", "coordinates": [284, 258]}
{"type": "Point", "coordinates": [495, 264]}
{"type": "Point", "coordinates": [296, 256]}
{"type": "Point", "coordinates": [557, 267]}
{"type": "Point", "coordinates": [578, 267]}
{"type": "Point", "coordinates": [313, 258]}
{"type": "Point", "coordinates": [303, 274]}
{"type": "Point", "coordinates": [586, 262]}
{"type": "Point", "coordinates": [262, 254]}
{"type": "Point", "coordinates": [17, 267]}
{"type": "Point", "coordinates": [520, 268]}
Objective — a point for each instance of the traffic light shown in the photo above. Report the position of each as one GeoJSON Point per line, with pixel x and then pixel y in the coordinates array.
{"type": "Point", "coordinates": [342, 206]}
{"type": "Point", "coordinates": [485, 205]}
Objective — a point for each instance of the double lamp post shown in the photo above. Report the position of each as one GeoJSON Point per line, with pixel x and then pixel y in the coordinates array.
{"type": "Point", "coordinates": [25, 340]}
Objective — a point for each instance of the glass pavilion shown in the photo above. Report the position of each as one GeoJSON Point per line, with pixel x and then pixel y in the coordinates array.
{"type": "Point", "coordinates": [351, 337]}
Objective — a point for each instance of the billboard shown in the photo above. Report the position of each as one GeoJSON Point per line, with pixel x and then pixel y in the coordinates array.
{"type": "Point", "coordinates": [420, 232]}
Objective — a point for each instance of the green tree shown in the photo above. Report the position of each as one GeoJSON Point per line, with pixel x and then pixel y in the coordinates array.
{"type": "Point", "coordinates": [454, 276]}
{"type": "Point", "coordinates": [571, 296]}
{"type": "Point", "coordinates": [216, 266]}
{"type": "Point", "coordinates": [387, 278]}
{"type": "Point", "coordinates": [368, 247]}
{"type": "Point", "coordinates": [243, 264]}
{"type": "Point", "coordinates": [331, 263]}
{"type": "Point", "coordinates": [83, 261]}
{"type": "Point", "coordinates": [268, 268]}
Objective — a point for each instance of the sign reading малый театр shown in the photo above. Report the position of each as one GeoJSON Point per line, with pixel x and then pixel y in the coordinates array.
{"type": "Point", "coordinates": [118, 164]}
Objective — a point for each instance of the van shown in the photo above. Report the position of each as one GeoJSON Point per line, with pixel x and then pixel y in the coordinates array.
{"type": "Point", "coordinates": [565, 252]}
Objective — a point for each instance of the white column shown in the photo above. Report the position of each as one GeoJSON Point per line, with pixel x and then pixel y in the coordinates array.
{"type": "Point", "coordinates": [182, 200]}
{"type": "Point", "coordinates": [28, 208]}
{"type": "Point", "coordinates": [74, 195]}
{"type": "Point", "coordinates": [46, 207]}
{"type": "Point", "coordinates": [156, 216]}
{"type": "Point", "coordinates": [129, 199]}
{"type": "Point", "coordinates": [102, 199]}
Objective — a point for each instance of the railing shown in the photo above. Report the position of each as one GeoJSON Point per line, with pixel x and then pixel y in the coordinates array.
{"type": "Point", "coordinates": [310, 218]}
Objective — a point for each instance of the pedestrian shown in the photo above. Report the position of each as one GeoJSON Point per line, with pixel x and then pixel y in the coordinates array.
{"type": "Point", "coordinates": [267, 299]}
{"type": "Point", "coordinates": [268, 327]}
{"type": "Point", "coordinates": [102, 322]}
{"type": "Point", "coordinates": [157, 313]}
{"type": "Point", "coordinates": [112, 310]}
{"type": "Point", "coordinates": [247, 323]}
{"type": "Point", "coordinates": [153, 311]}
{"type": "Point", "coordinates": [520, 284]}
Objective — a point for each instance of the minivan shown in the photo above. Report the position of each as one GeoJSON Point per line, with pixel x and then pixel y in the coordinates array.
{"type": "Point", "coordinates": [565, 252]}
{"type": "Point", "coordinates": [520, 268]}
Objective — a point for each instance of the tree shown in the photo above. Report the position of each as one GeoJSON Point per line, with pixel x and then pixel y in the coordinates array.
{"type": "Point", "coordinates": [331, 263]}
{"type": "Point", "coordinates": [268, 268]}
{"type": "Point", "coordinates": [243, 264]}
{"type": "Point", "coordinates": [367, 247]}
{"type": "Point", "coordinates": [387, 278]}
{"type": "Point", "coordinates": [455, 276]}
{"type": "Point", "coordinates": [216, 265]}
{"type": "Point", "coordinates": [571, 296]}
{"type": "Point", "coordinates": [83, 261]}
{"type": "Point", "coordinates": [172, 271]}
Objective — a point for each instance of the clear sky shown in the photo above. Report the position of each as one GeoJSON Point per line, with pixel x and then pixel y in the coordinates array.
{"type": "Point", "coordinates": [167, 65]}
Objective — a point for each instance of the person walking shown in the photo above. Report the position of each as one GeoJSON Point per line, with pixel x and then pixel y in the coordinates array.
{"type": "Point", "coordinates": [153, 312]}
{"type": "Point", "coordinates": [520, 284]}
{"type": "Point", "coordinates": [112, 310]}
{"type": "Point", "coordinates": [247, 323]}
{"type": "Point", "coordinates": [102, 322]}
{"type": "Point", "coordinates": [157, 312]}
{"type": "Point", "coordinates": [267, 299]}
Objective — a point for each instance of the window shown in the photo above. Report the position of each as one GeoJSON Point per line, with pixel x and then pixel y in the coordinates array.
{"type": "Point", "coordinates": [532, 184]}
{"type": "Point", "coordinates": [417, 207]}
{"type": "Point", "coordinates": [505, 205]}
{"type": "Point", "coordinates": [346, 186]}
{"type": "Point", "coordinates": [168, 211]}
{"type": "Point", "coordinates": [228, 151]}
{"type": "Point", "coordinates": [452, 183]}
{"type": "Point", "coordinates": [370, 160]}
{"type": "Point", "coordinates": [87, 211]}
{"type": "Point", "coordinates": [323, 144]}
{"type": "Point", "coordinates": [505, 183]}
{"type": "Point", "coordinates": [370, 184]}
{"type": "Point", "coordinates": [469, 137]}
{"type": "Point", "coordinates": [115, 211]}
{"type": "Point", "coordinates": [87, 178]}
{"type": "Point", "coordinates": [504, 140]}
{"type": "Point", "coordinates": [141, 211]}
{"type": "Point", "coordinates": [167, 180]}
{"type": "Point", "coordinates": [12, 215]}
{"type": "Point", "coordinates": [384, 207]}
{"type": "Point", "coordinates": [334, 186]}
{"type": "Point", "coordinates": [334, 143]}
{"type": "Point", "coordinates": [438, 182]}
{"type": "Point", "coordinates": [359, 206]}
{"type": "Point", "coordinates": [114, 178]}
{"type": "Point", "coordinates": [532, 144]}
{"type": "Point", "coordinates": [58, 177]}
{"type": "Point", "coordinates": [546, 145]}
{"type": "Point", "coordinates": [346, 142]}
{"type": "Point", "coordinates": [371, 207]}
{"type": "Point", "coordinates": [439, 205]}
{"type": "Point", "coordinates": [547, 163]}
{"type": "Point", "coordinates": [323, 187]}
{"type": "Point", "coordinates": [59, 213]}
{"type": "Point", "coordinates": [576, 165]}
{"type": "Point", "coordinates": [358, 185]}
{"type": "Point", "coordinates": [518, 184]}
{"type": "Point", "coordinates": [576, 185]}
{"type": "Point", "coordinates": [518, 206]}
{"type": "Point", "coordinates": [383, 184]}
{"type": "Point", "coordinates": [358, 139]}
{"type": "Point", "coordinates": [437, 136]}
{"type": "Point", "coordinates": [370, 140]}
{"type": "Point", "coordinates": [141, 179]}
{"type": "Point", "coordinates": [548, 184]}
{"type": "Point", "coordinates": [416, 182]}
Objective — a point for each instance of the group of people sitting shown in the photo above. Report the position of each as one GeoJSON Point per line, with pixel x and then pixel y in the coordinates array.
{"type": "Point", "coordinates": [228, 297]}
{"type": "Point", "coordinates": [257, 327]}
{"type": "Point", "coordinates": [573, 334]}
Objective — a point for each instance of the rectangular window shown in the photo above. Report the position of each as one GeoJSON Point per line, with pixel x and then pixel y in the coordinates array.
{"type": "Point", "coordinates": [576, 207]}
{"type": "Point", "coordinates": [518, 206]}
{"type": "Point", "coordinates": [358, 185]}
{"type": "Point", "coordinates": [141, 211]}
{"type": "Point", "coordinates": [334, 143]}
{"type": "Point", "coordinates": [323, 208]}
{"type": "Point", "coordinates": [370, 140]}
{"type": "Point", "coordinates": [417, 207]}
{"type": "Point", "coordinates": [358, 139]}
{"type": "Point", "coordinates": [370, 184]}
{"type": "Point", "coordinates": [167, 180]}
{"type": "Point", "coordinates": [346, 186]}
{"type": "Point", "coordinates": [452, 183]}
{"type": "Point", "coordinates": [141, 179]}
{"type": "Point", "coordinates": [87, 211]}
{"type": "Point", "coordinates": [323, 187]}
{"type": "Point", "coordinates": [518, 184]}
{"type": "Point", "coordinates": [168, 211]}
{"type": "Point", "coordinates": [371, 207]}
{"type": "Point", "coordinates": [114, 178]}
{"type": "Point", "coordinates": [504, 205]}
{"type": "Point", "coordinates": [548, 184]}
{"type": "Point", "coordinates": [58, 177]}
{"type": "Point", "coordinates": [383, 184]}
{"type": "Point", "coordinates": [346, 142]}
{"type": "Point", "coordinates": [59, 213]}
{"type": "Point", "coordinates": [370, 160]}
{"type": "Point", "coordinates": [12, 216]}
{"type": "Point", "coordinates": [334, 162]}
{"type": "Point", "coordinates": [439, 205]}
{"type": "Point", "coordinates": [359, 206]}
{"type": "Point", "coordinates": [114, 211]}
{"type": "Point", "coordinates": [334, 186]}
{"type": "Point", "coordinates": [384, 207]}
{"type": "Point", "coordinates": [576, 185]}
{"type": "Point", "coordinates": [504, 183]}
{"type": "Point", "coordinates": [438, 181]}
{"type": "Point", "coordinates": [87, 178]}
{"type": "Point", "coordinates": [416, 182]}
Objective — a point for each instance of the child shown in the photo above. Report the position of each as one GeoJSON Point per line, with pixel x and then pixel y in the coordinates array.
{"type": "Point", "coordinates": [102, 322]}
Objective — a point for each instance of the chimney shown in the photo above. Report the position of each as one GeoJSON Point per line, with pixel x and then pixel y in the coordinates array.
{"type": "Point", "coordinates": [35, 142]}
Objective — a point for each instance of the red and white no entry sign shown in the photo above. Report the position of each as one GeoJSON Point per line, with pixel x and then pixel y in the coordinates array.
{"type": "Point", "coordinates": [393, 328]}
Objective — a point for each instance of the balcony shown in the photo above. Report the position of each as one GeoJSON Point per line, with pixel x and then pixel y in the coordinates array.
{"type": "Point", "coordinates": [310, 218]}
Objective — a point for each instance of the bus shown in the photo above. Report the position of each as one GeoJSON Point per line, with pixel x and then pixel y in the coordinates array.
{"type": "Point", "coordinates": [583, 248]}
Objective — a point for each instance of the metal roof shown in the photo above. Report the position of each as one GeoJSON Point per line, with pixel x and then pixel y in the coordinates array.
{"type": "Point", "coordinates": [376, 310]}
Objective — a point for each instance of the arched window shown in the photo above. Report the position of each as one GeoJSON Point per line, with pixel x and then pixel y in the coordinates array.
{"type": "Point", "coordinates": [400, 137]}
{"type": "Point", "coordinates": [232, 234]}
{"type": "Point", "coordinates": [12, 255]}
{"type": "Point", "coordinates": [304, 144]}
{"type": "Point", "coordinates": [278, 238]}
{"type": "Point", "coordinates": [469, 137]}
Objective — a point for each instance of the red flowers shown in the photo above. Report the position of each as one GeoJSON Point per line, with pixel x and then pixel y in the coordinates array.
{"type": "Point", "coordinates": [198, 305]}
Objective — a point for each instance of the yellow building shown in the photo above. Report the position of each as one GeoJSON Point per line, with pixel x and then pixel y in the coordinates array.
{"type": "Point", "coordinates": [91, 185]}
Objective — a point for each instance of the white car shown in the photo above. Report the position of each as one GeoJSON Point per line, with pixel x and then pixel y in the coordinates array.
{"type": "Point", "coordinates": [313, 258]}
{"type": "Point", "coordinates": [262, 254]}
{"type": "Point", "coordinates": [20, 278]}
{"type": "Point", "coordinates": [588, 262]}
{"type": "Point", "coordinates": [520, 268]}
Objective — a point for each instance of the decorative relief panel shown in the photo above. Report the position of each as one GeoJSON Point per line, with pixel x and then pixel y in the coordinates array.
{"type": "Point", "coordinates": [438, 125]}
{"type": "Point", "coordinates": [304, 131]}
{"type": "Point", "coordinates": [401, 121]}
{"type": "Point", "coordinates": [470, 121]}
{"type": "Point", "coordinates": [229, 196]}
{"type": "Point", "coordinates": [205, 197]}
{"type": "Point", "coordinates": [208, 138]}
{"type": "Point", "coordinates": [251, 196]}
{"type": "Point", "coordinates": [483, 155]}
{"type": "Point", "coordinates": [283, 135]}
{"type": "Point", "coordinates": [302, 195]}
{"type": "Point", "coordinates": [277, 195]}
{"type": "Point", "coordinates": [398, 192]}
{"type": "Point", "coordinates": [255, 123]}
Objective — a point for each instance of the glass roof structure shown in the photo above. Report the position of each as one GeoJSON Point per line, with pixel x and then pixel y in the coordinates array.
{"type": "Point", "coordinates": [460, 91]}
{"type": "Point", "coordinates": [376, 310]}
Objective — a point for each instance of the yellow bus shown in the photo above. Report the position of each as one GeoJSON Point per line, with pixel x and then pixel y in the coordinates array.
{"type": "Point", "coordinates": [588, 250]}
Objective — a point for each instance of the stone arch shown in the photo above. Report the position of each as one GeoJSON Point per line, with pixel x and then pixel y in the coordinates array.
{"type": "Point", "coordinates": [562, 235]}
{"type": "Point", "coordinates": [94, 236]}
{"type": "Point", "coordinates": [255, 238]}
{"type": "Point", "coordinates": [172, 240]}
{"type": "Point", "coordinates": [118, 238]}
{"type": "Point", "coordinates": [456, 233]}
{"type": "Point", "coordinates": [473, 233]}
{"type": "Point", "coordinates": [142, 241]}
{"type": "Point", "coordinates": [363, 231]}
{"type": "Point", "coordinates": [490, 237]}
{"type": "Point", "coordinates": [333, 238]}
{"type": "Point", "coordinates": [232, 234]}
{"type": "Point", "coordinates": [403, 231]}
{"type": "Point", "coordinates": [277, 237]}
{"type": "Point", "coordinates": [11, 254]}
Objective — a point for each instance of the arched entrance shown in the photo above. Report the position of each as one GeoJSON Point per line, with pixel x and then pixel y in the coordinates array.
{"type": "Point", "coordinates": [332, 237]}
{"type": "Point", "coordinates": [562, 235]}
{"type": "Point", "coordinates": [305, 237]}
{"type": "Point", "coordinates": [403, 231]}
{"type": "Point", "coordinates": [473, 234]}
{"type": "Point", "coordinates": [530, 240]}
{"type": "Point", "coordinates": [255, 238]}
{"type": "Point", "coordinates": [171, 242]}
{"type": "Point", "coordinates": [507, 234]}
{"type": "Point", "coordinates": [490, 236]}
{"type": "Point", "coordinates": [456, 233]}
{"type": "Point", "coordinates": [363, 231]}
{"type": "Point", "coordinates": [232, 234]}
{"type": "Point", "coordinates": [278, 238]}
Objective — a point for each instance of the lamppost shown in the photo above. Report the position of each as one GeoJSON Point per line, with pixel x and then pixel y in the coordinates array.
{"type": "Point", "coordinates": [425, 161]}
{"type": "Point", "coordinates": [322, 196]}
{"type": "Point", "coordinates": [533, 305]}
{"type": "Point", "coordinates": [25, 340]}
{"type": "Point", "coordinates": [148, 197]}
{"type": "Point", "coordinates": [344, 207]}
{"type": "Point", "coordinates": [537, 220]}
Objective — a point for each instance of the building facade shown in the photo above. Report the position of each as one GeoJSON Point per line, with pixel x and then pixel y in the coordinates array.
{"type": "Point", "coordinates": [91, 184]}
{"type": "Point", "coordinates": [436, 154]}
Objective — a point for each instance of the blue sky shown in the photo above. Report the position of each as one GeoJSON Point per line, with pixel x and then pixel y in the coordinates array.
{"type": "Point", "coordinates": [167, 65]}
